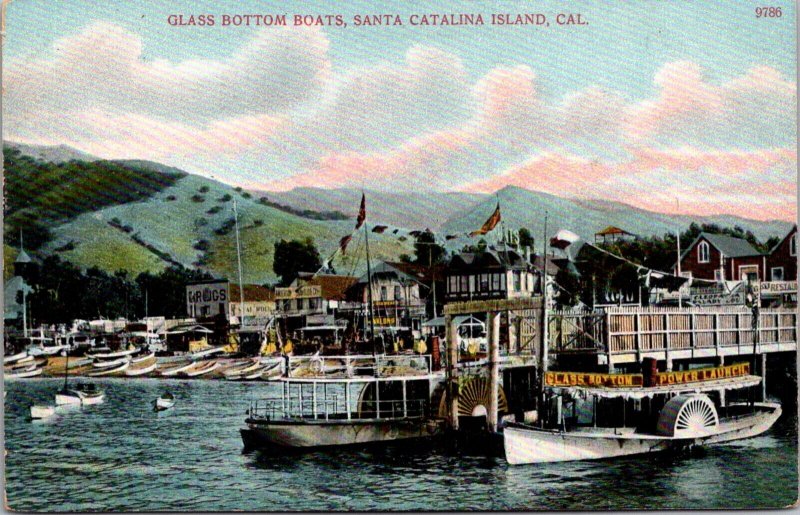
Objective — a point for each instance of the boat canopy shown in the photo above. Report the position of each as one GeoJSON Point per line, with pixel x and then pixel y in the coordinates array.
{"type": "Point", "coordinates": [640, 392]}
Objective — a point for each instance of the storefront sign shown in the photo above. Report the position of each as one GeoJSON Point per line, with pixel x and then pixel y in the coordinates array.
{"type": "Point", "coordinates": [590, 379]}
{"type": "Point", "coordinates": [701, 374]}
{"type": "Point", "coordinates": [778, 287]}
{"type": "Point", "coordinates": [207, 299]}
{"type": "Point", "coordinates": [714, 296]}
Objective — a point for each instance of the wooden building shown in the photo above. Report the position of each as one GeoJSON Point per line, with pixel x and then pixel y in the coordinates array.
{"type": "Point", "coordinates": [499, 272]}
{"type": "Point", "coordinates": [782, 259]}
{"type": "Point", "coordinates": [722, 258]}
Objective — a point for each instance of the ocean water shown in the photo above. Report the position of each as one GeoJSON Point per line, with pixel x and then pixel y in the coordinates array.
{"type": "Point", "coordinates": [121, 456]}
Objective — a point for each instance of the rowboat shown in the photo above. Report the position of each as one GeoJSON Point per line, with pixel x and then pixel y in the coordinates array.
{"type": "Point", "coordinates": [141, 370]}
{"type": "Point", "coordinates": [201, 369]}
{"type": "Point", "coordinates": [118, 354]}
{"type": "Point", "coordinates": [23, 375]}
{"type": "Point", "coordinates": [14, 358]}
{"type": "Point", "coordinates": [112, 363]}
{"type": "Point", "coordinates": [25, 367]}
{"type": "Point", "coordinates": [81, 394]}
{"type": "Point", "coordinates": [177, 370]}
{"type": "Point", "coordinates": [205, 353]}
{"type": "Point", "coordinates": [139, 359]}
{"type": "Point", "coordinates": [41, 412]}
{"type": "Point", "coordinates": [165, 402]}
{"type": "Point", "coordinates": [104, 372]}
{"type": "Point", "coordinates": [239, 371]}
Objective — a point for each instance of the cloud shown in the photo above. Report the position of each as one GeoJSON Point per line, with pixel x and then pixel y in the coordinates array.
{"type": "Point", "coordinates": [275, 114]}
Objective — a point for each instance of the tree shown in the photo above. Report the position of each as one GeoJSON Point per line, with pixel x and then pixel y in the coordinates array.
{"type": "Point", "coordinates": [426, 250]}
{"type": "Point", "coordinates": [525, 238]}
{"type": "Point", "coordinates": [293, 257]}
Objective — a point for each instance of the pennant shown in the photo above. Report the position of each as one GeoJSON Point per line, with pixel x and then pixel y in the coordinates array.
{"type": "Point", "coordinates": [489, 224]}
{"type": "Point", "coordinates": [362, 212]}
{"type": "Point", "coordinates": [563, 239]}
{"type": "Point", "coordinates": [451, 237]}
{"type": "Point", "coordinates": [402, 238]}
{"type": "Point", "coordinates": [395, 231]}
{"type": "Point", "coordinates": [379, 228]}
{"type": "Point", "coordinates": [343, 243]}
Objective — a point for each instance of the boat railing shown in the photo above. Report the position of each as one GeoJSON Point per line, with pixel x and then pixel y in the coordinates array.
{"type": "Point", "coordinates": [363, 365]}
{"type": "Point", "coordinates": [335, 408]}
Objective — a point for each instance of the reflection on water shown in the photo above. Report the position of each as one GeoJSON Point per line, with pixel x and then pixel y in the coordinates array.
{"type": "Point", "coordinates": [114, 456]}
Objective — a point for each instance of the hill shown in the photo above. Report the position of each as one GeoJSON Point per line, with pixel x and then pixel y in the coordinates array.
{"type": "Point", "coordinates": [50, 154]}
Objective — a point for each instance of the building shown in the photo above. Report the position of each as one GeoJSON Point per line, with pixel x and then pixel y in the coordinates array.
{"type": "Point", "coordinates": [259, 305]}
{"type": "Point", "coordinates": [207, 299]}
{"type": "Point", "coordinates": [312, 300]}
{"type": "Point", "coordinates": [16, 289]}
{"type": "Point", "coordinates": [782, 258]}
{"type": "Point", "coordinates": [398, 296]}
{"type": "Point", "coordinates": [722, 258]}
{"type": "Point", "coordinates": [611, 234]}
{"type": "Point", "coordinates": [499, 272]}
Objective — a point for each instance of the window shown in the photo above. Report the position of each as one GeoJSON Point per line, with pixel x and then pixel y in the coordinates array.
{"type": "Point", "coordinates": [396, 293]}
{"type": "Point", "coordinates": [702, 252]}
{"type": "Point", "coordinates": [718, 275]}
{"type": "Point", "coordinates": [777, 273]}
{"type": "Point", "coordinates": [383, 292]}
{"type": "Point", "coordinates": [517, 281]}
{"type": "Point", "coordinates": [793, 245]}
{"type": "Point", "coordinates": [496, 282]}
{"type": "Point", "coordinates": [464, 283]}
{"type": "Point", "coordinates": [312, 303]}
{"type": "Point", "coordinates": [484, 282]}
{"type": "Point", "coordinates": [299, 304]}
{"type": "Point", "coordinates": [453, 284]}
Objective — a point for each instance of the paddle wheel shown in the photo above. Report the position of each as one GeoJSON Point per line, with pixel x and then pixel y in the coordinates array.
{"type": "Point", "coordinates": [473, 398]}
{"type": "Point", "coordinates": [688, 416]}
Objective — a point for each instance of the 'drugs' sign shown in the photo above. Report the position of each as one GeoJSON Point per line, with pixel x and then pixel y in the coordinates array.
{"type": "Point", "coordinates": [207, 299]}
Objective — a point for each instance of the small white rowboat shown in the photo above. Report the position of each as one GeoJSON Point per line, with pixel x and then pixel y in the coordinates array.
{"type": "Point", "coordinates": [165, 402]}
{"type": "Point", "coordinates": [23, 375]}
{"type": "Point", "coordinates": [121, 368]}
{"type": "Point", "coordinates": [118, 354]}
{"type": "Point", "coordinates": [202, 369]}
{"type": "Point", "coordinates": [177, 370]}
{"type": "Point", "coordinates": [40, 412]}
{"type": "Point", "coordinates": [143, 358]}
{"type": "Point", "coordinates": [14, 358]}
{"type": "Point", "coordinates": [109, 364]}
{"type": "Point", "coordinates": [141, 370]}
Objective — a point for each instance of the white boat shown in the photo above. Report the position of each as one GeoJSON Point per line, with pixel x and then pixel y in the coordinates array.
{"type": "Point", "coordinates": [117, 354]}
{"type": "Point", "coordinates": [319, 412]}
{"type": "Point", "coordinates": [177, 370]}
{"type": "Point", "coordinates": [205, 353]}
{"type": "Point", "coordinates": [25, 367]}
{"type": "Point", "coordinates": [46, 350]}
{"type": "Point", "coordinates": [232, 372]}
{"type": "Point", "coordinates": [112, 363]}
{"type": "Point", "coordinates": [16, 357]}
{"type": "Point", "coordinates": [107, 372]}
{"type": "Point", "coordinates": [25, 359]}
{"type": "Point", "coordinates": [23, 375]}
{"type": "Point", "coordinates": [140, 371]}
{"type": "Point", "coordinates": [139, 359]}
{"type": "Point", "coordinates": [683, 415]}
{"type": "Point", "coordinates": [84, 394]}
{"type": "Point", "coordinates": [42, 412]}
{"type": "Point", "coordinates": [165, 402]}
{"type": "Point", "coordinates": [201, 369]}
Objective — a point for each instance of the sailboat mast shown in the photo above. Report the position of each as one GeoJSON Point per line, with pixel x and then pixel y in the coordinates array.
{"type": "Point", "coordinates": [369, 290]}
{"type": "Point", "coordinates": [239, 260]}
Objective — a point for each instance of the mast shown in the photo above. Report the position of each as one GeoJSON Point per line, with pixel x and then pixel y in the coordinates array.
{"type": "Point", "coordinates": [239, 261]}
{"type": "Point", "coordinates": [678, 268]}
{"type": "Point", "coordinates": [545, 323]}
{"type": "Point", "coordinates": [24, 294]}
{"type": "Point", "coordinates": [369, 288]}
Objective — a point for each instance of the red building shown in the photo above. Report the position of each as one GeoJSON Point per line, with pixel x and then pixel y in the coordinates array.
{"type": "Point", "coordinates": [722, 258]}
{"type": "Point", "coordinates": [782, 259]}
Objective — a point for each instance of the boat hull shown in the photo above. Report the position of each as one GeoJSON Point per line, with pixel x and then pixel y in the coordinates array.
{"type": "Point", "coordinates": [41, 412]}
{"type": "Point", "coordinates": [525, 445]}
{"type": "Point", "coordinates": [307, 435]}
{"type": "Point", "coordinates": [63, 399]}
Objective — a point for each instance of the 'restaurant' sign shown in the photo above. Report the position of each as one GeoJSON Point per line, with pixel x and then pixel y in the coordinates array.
{"type": "Point", "coordinates": [701, 374]}
{"type": "Point", "coordinates": [778, 287]}
{"type": "Point", "coordinates": [591, 379]}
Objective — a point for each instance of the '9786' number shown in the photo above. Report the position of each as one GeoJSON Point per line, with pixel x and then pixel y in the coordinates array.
{"type": "Point", "coordinates": [768, 12]}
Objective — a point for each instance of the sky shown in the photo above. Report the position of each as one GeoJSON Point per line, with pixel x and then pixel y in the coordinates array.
{"type": "Point", "coordinates": [670, 106]}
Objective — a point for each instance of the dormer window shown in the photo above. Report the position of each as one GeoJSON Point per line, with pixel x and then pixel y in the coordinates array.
{"type": "Point", "coordinates": [703, 252]}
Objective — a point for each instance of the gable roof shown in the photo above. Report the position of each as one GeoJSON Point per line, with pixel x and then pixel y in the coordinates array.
{"type": "Point", "coordinates": [613, 230]}
{"type": "Point", "coordinates": [788, 234]}
{"type": "Point", "coordinates": [333, 286]}
{"type": "Point", "coordinates": [728, 245]}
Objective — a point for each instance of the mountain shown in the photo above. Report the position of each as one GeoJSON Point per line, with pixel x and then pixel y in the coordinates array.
{"type": "Point", "coordinates": [525, 208]}
{"type": "Point", "coordinates": [412, 210]}
{"type": "Point", "coordinates": [51, 154]}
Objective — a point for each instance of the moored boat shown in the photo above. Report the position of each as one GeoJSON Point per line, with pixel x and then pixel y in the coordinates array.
{"type": "Point", "coordinates": [84, 394]}
{"type": "Point", "coordinates": [670, 416]}
{"type": "Point", "coordinates": [41, 412]}
{"type": "Point", "coordinates": [165, 402]}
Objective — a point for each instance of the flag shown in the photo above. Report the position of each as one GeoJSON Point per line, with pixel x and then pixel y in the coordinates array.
{"type": "Point", "coordinates": [395, 231]}
{"type": "Point", "coordinates": [489, 224]}
{"type": "Point", "coordinates": [343, 243]}
{"type": "Point", "coordinates": [563, 239]}
{"type": "Point", "coordinates": [362, 212]}
{"type": "Point", "coordinates": [451, 237]}
{"type": "Point", "coordinates": [379, 228]}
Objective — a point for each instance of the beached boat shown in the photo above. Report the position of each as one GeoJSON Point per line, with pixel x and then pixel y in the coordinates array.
{"type": "Point", "coordinates": [41, 412]}
{"type": "Point", "coordinates": [21, 367]}
{"type": "Point", "coordinates": [251, 365]}
{"type": "Point", "coordinates": [140, 371]}
{"type": "Point", "coordinates": [113, 355]}
{"type": "Point", "coordinates": [112, 363]}
{"type": "Point", "coordinates": [327, 412]}
{"type": "Point", "coordinates": [165, 402]}
{"type": "Point", "coordinates": [205, 353]}
{"type": "Point", "coordinates": [200, 368]}
{"type": "Point", "coordinates": [108, 372]}
{"type": "Point", "coordinates": [177, 370]}
{"type": "Point", "coordinates": [145, 357]}
{"type": "Point", "coordinates": [23, 374]}
{"type": "Point", "coordinates": [16, 357]}
{"type": "Point", "coordinates": [682, 412]}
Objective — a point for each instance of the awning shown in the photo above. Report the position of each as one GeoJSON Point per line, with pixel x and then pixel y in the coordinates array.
{"type": "Point", "coordinates": [434, 322]}
{"type": "Point", "coordinates": [640, 392]}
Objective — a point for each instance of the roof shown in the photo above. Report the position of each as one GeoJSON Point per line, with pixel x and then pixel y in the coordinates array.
{"type": "Point", "coordinates": [612, 230]}
{"type": "Point", "coordinates": [404, 272]}
{"type": "Point", "coordinates": [333, 286]}
{"type": "Point", "coordinates": [728, 245]}
{"type": "Point", "coordinates": [640, 392]}
{"type": "Point", "coordinates": [505, 257]}
{"type": "Point", "coordinates": [788, 234]}
{"type": "Point", "coordinates": [252, 293]}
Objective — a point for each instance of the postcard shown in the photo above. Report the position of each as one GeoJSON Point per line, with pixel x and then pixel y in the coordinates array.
{"type": "Point", "coordinates": [399, 256]}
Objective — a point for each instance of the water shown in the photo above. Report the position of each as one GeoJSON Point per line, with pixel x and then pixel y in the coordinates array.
{"type": "Point", "coordinates": [120, 455]}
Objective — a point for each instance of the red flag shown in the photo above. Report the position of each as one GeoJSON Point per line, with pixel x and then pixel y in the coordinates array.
{"type": "Point", "coordinates": [490, 224]}
{"type": "Point", "coordinates": [379, 229]}
{"type": "Point", "coordinates": [343, 243]}
{"type": "Point", "coordinates": [362, 213]}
